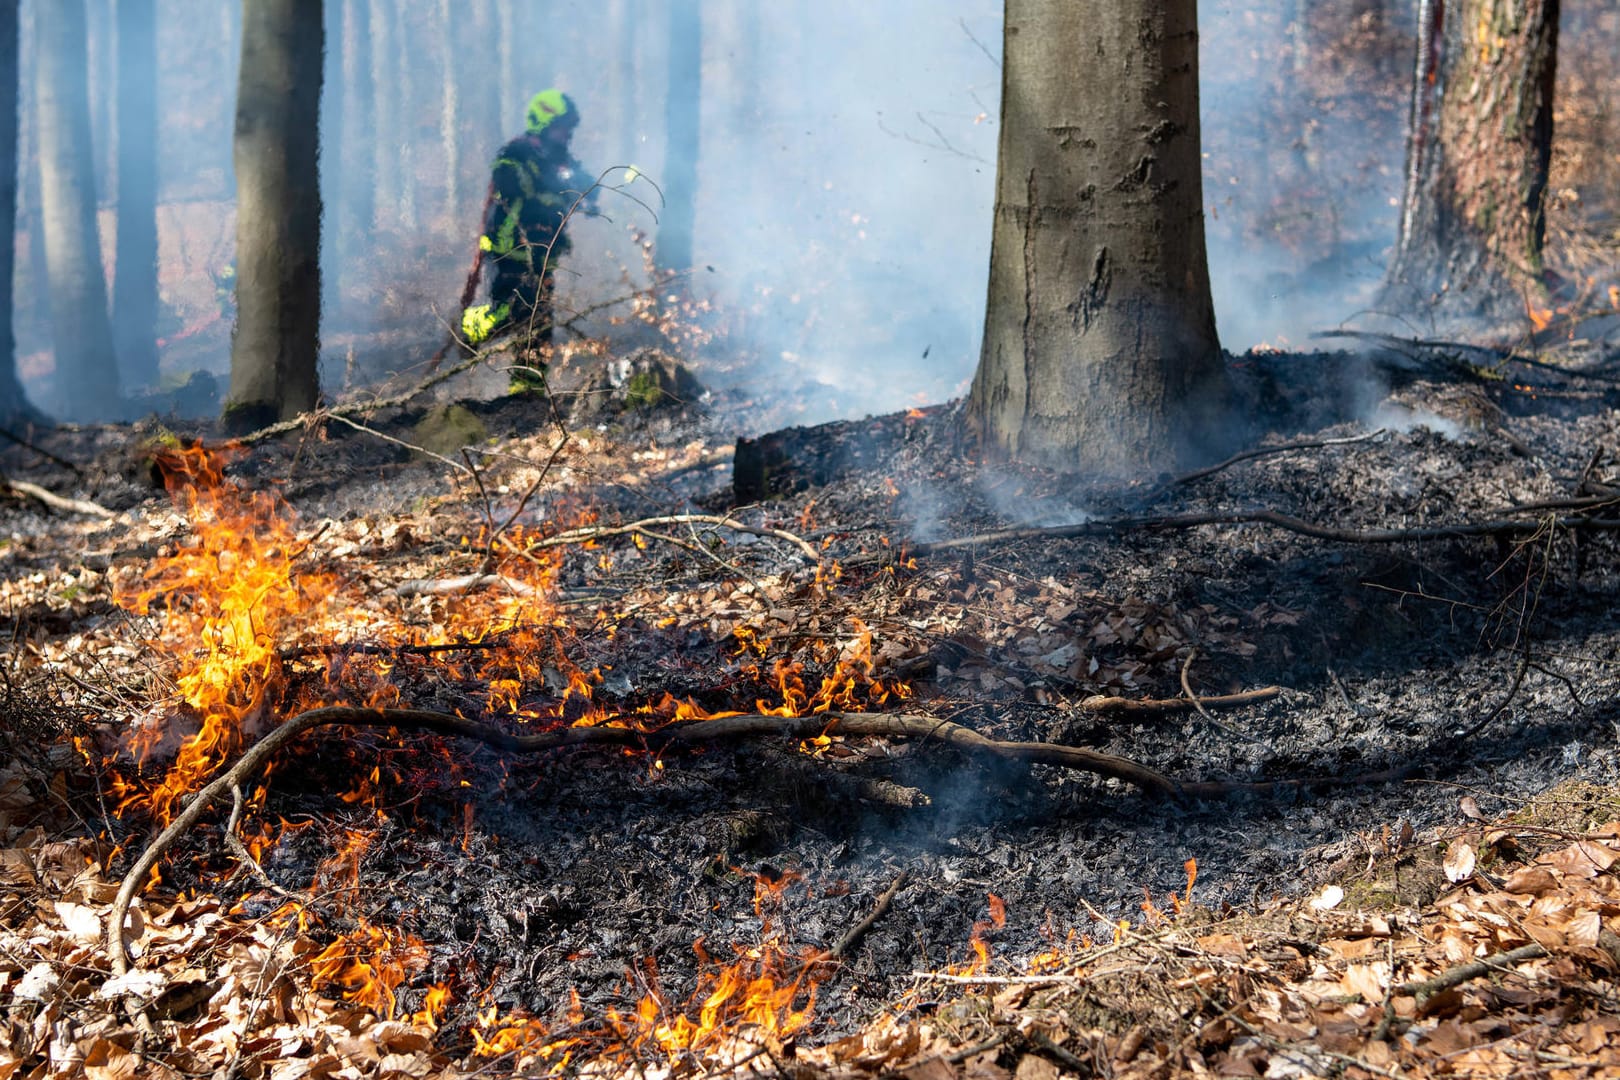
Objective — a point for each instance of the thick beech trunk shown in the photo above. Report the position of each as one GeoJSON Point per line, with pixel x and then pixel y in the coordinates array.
{"type": "Point", "coordinates": [86, 371]}
{"type": "Point", "coordinates": [1100, 354]}
{"type": "Point", "coordinates": [278, 216]}
{"type": "Point", "coordinates": [1469, 252]}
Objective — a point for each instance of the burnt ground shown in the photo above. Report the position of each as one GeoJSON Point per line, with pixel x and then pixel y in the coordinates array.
{"type": "Point", "coordinates": [1475, 666]}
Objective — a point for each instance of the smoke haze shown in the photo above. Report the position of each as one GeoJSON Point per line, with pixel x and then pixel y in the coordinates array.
{"type": "Point", "coordinates": [845, 178]}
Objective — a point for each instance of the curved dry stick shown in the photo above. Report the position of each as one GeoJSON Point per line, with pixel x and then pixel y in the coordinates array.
{"type": "Point", "coordinates": [687, 731]}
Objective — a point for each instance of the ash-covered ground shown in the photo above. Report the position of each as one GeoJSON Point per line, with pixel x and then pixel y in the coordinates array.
{"type": "Point", "coordinates": [1480, 666]}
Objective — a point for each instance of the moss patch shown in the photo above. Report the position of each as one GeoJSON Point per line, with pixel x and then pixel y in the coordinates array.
{"type": "Point", "coordinates": [448, 428]}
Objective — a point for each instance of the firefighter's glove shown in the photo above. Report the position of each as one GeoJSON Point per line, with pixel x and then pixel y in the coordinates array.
{"type": "Point", "coordinates": [485, 244]}
{"type": "Point", "coordinates": [477, 323]}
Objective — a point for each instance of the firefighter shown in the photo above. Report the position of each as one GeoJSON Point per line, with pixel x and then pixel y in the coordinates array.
{"type": "Point", "coordinates": [535, 185]}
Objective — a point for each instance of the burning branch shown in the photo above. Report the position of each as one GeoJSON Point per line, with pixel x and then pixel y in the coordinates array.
{"type": "Point", "coordinates": [694, 731]}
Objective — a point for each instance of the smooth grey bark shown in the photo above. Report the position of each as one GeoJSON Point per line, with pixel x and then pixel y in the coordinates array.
{"type": "Point", "coordinates": [1100, 354]}
{"type": "Point", "coordinates": [135, 260]}
{"type": "Point", "coordinates": [682, 110]}
{"type": "Point", "coordinates": [86, 382]}
{"type": "Point", "coordinates": [14, 404]}
{"type": "Point", "coordinates": [278, 214]}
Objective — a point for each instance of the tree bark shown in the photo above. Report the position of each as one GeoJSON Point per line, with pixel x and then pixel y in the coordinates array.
{"type": "Point", "coordinates": [278, 214]}
{"type": "Point", "coordinates": [135, 290]}
{"type": "Point", "coordinates": [1100, 354]}
{"type": "Point", "coordinates": [682, 110]}
{"type": "Point", "coordinates": [14, 405]}
{"type": "Point", "coordinates": [86, 371]}
{"type": "Point", "coordinates": [1473, 221]}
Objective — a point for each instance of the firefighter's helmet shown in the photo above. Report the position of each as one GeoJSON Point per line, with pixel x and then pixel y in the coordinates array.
{"type": "Point", "coordinates": [549, 106]}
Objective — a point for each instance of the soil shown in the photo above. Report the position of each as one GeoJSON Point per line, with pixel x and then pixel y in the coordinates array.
{"type": "Point", "coordinates": [1483, 667]}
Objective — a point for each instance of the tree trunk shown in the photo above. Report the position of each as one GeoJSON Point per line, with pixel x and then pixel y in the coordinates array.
{"type": "Point", "coordinates": [682, 109]}
{"type": "Point", "coordinates": [450, 17]}
{"type": "Point", "coordinates": [278, 214]}
{"type": "Point", "coordinates": [358, 173]}
{"type": "Point", "coordinates": [135, 290]}
{"type": "Point", "coordinates": [14, 404]}
{"type": "Point", "coordinates": [384, 116]}
{"type": "Point", "coordinates": [1469, 251]}
{"type": "Point", "coordinates": [1100, 354]}
{"type": "Point", "coordinates": [86, 371]}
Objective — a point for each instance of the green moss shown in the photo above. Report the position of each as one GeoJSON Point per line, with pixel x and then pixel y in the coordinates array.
{"type": "Point", "coordinates": [448, 428]}
{"type": "Point", "coordinates": [1573, 806]}
{"type": "Point", "coordinates": [643, 391]}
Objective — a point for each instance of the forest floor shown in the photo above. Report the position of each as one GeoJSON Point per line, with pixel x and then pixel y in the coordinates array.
{"type": "Point", "coordinates": [1419, 768]}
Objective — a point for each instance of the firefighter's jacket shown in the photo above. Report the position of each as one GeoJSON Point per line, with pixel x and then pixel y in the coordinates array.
{"type": "Point", "coordinates": [533, 190]}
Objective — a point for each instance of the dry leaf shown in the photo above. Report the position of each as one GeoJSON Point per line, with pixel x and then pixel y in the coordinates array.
{"type": "Point", "coordinates": [1459, 860]}
{"type": "Point", "coordinates": [1328, 899]}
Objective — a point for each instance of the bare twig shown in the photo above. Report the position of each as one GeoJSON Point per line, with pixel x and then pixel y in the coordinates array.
{"type": "Point", "coordinates": [858, 931]}
{"type": "Point", "coordinates": [1186, 688]}
{"type": "Point", "coordinates": [1265, 451]}
{"type": "Point", "coordinates": [55, 501]}
{"type": "Point", "coordinates": [1101, 704]}
{"type": "Point", "coordinates": [1451, 977]}
{"type": "Point", "coordinates": [597, 532]}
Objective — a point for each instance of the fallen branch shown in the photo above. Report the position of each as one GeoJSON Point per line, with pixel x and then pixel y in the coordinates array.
{"type": "Point", "coordinates": [892, 725]}
{"type": "Point", "coordinates": [597, 532]}
{"type": "Point", "coordinates": [357, 408]}
{"type": "Point", "coordinates": [1098, 703]}
{"type": "Point", "coordinates": [858, 931]}
{"type": "Point", "coordinates": [1264, 451]}
{"type": "Point", "coordinates": [57, 502]}
{"type": "Point", "coordinates": [1276, 519]}
{"type": "Point", "coordinates": [691, 731]}
{"type": "Point", "coordinates": [1456, 976]}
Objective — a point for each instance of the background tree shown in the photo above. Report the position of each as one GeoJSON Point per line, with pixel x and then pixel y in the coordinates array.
{"type": "Point", "coordinates": [278, 215]}
{"type": "Point", "coordinates": [1473, 213]}
{"type": "Point", "coordinates": [86, 370]}
{"type": "Point", "coordinates": [14, 404]}
{"type": "Point", "coordinates": [135, 290]}
{"type": "Point", "coordinates": [1100, 354]}
{"type": "Point", "coordinates": [682, 113]}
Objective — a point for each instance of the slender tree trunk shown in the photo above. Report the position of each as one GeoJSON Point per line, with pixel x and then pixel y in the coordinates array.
{"type": "Point", "coordinates": [385, 116]}
{"type": "Point", "coordinates": [682, 112]}
{"type": "Point", "coordinates": [359, 173]}
{"type": "Point", "coordinates": [135, 264]}
{"type": "Point", "coordinates": [278, 214]}
{"type": "Point", "coordinates": [333, 137]}
{"type": "Point", "coordinates": [86, 371]}
{"type": "Point", "coordinates": [450, 17]}
{"type": "Point", "coordinates": [1100, 355]}
{"type": "Point", "coordinates": [1473, 216]}
{"type": "Point", "coordinates": [512, 96]}
{"type": "Point", "coordinates": [14, 406]}
{"type": "Point", "coordinates": [401, 87]}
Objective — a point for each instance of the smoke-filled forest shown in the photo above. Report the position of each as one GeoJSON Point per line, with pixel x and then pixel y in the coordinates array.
{"type": "Point", "coordinates": [695, 538]}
